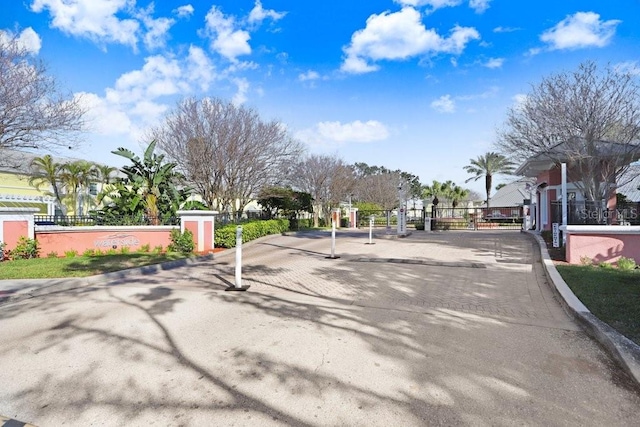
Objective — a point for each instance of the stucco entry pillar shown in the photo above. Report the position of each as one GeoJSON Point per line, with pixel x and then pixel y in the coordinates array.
{"type": "Point", "coordinates": [16, 223]}
{"type": "Point", "coordinates": [202, 225]}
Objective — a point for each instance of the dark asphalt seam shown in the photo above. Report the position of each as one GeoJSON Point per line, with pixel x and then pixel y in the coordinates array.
{"type": "Point", "coordinates": [421, 262]}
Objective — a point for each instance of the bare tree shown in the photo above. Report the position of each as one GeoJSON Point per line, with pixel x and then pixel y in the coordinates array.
{"type": "Point", "coordinates": [381, 189]}
{"type": "Point", "coordinates": [327, 178]}
{"type": "Point", "coordinates": [379, 185]}
{"type": "Point", "coordinates": [587, 118]}
{"type": "Point", "coordinates": [34, 113]}
{"type": "Point", "coordinates": [226, 153]}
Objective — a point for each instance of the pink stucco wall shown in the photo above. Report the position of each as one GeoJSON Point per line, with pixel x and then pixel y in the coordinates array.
{"type": "Point", "coordinates": [208, 234]}
{"type": "Point", "coordinates": [602, 247]}
{"type": "Point", "coordinates": [13, 230]}
{"type": "Point", "coordinates": [80, 239]}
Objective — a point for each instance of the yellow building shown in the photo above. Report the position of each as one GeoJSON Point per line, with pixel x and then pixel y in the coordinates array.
{"type": "Point", "coordinates": [15, 190]}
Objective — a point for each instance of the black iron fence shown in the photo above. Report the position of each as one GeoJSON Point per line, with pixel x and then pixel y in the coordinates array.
{"type": "Point", "coordinates": [583, 212]}
{"type": "Point", "coordinates": [88, 220]}
{"type": "Point", "coordinates": [476, 218]}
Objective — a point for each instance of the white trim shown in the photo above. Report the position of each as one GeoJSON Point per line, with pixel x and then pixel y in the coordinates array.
{"type": "Point", "coordinates": [601, 229]}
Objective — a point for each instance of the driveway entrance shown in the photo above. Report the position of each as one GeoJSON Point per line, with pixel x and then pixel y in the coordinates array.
{"type": "Point", "coordinates": [456, 328]}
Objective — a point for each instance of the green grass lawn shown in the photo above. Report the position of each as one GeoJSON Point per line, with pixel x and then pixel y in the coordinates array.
{"type": "Point", "coordinates": [612, 295]}
{"type": "Point", "coordinates": [79, 266]}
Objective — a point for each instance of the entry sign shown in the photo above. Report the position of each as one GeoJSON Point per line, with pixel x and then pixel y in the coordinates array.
{"type": "Point", "coordinates": [402, 220]}
{"type": "Point", "coordinates": [556, 234]}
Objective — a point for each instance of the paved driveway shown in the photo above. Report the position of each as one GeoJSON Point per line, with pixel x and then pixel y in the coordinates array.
{"type": "Point", "coordinates": [456, 328]}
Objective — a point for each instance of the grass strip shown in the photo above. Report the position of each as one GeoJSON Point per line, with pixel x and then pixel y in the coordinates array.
{"type": "Point", "coordinates": [612, 295]}
{"type": "Point", "coordinates": [79, 266]}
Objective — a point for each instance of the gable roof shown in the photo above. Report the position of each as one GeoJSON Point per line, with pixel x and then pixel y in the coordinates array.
{"type": "Point", "coordinates": [512, 194]}
{"type": "Point", "coordinates": [19, 162]}
{"type": "Point", "coordinates": [564, 151]}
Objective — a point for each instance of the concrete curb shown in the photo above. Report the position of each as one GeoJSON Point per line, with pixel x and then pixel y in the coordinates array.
{"type": "Point", "coordinates": [621, 348]}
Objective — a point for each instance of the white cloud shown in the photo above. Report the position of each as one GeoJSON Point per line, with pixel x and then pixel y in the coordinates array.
{"type": "Point", "coordinates": [309, 76]}
{"type": "Point", "coordinates": [490, 93]}
{"type": "Point", "coordinates": [331, 133]}
{"type": "Point", "coordinates": [399, 36]}
{"type": "Point", "coordinates": [140, 97]}
{"type": "Point", "coordinates": [259, 14]}
{"type": "Point", "coordinates": [241, 95]}
{"type": "Point", "coordinates": [628, 67]}
{"type": "Point", "coordinates": [104, 117]}
{"type": "Point", "coordinates": [583, 29]}
{"type": "Point", "coordinates": [226, 39]}
{"type": "Point", "coordinates": [28, 39]}
{"type": "Point", "coordinates": [478, 5]}
{"type": "Point", "coordinates": [434, 4]}
{"type": "Point", "coordinates": [93, 19]}
{"type": "Point", "coordinates": [519, 100]}
{"type": "Point", "coordinates": [160, 76]}
{"type": "Point", "coordinates": [157, 28]}
{"type": "Point", "coordinates": [505, 29]}
{"type": "Point", "coordinates": [184, 11]}
{"type": "Point", "coordinates": [494, 63]}
{"type": "Point", "coordinates": [444, 104]}
{"type": "Point", "coordinates": [200, 69]}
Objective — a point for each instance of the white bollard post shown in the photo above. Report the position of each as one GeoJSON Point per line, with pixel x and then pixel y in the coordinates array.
{"type": "Point", "coordinates": [238, 285]}
{"type": "Point", "coordinates": [333, 241]}
{"type": "Point", "coordinates": [371, 222]}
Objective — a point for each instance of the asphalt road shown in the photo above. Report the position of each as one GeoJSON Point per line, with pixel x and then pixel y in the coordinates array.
{"type": "Point", "coordinates": [456, 328]}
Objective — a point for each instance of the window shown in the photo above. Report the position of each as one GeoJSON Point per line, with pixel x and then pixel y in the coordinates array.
{"type": "Point", "coordinates": [93, 189]}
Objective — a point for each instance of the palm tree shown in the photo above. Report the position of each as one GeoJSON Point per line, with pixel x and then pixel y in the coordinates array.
{"type": "Point", "coordinates": [486, 166]}
{"type": "Point", "coordinates": [46, 172]}
{"type": "Point", "coordinates": [76, 177]}
{"type": "Point", "coordinates": [457, 195]}
{"type": "Point", "coordinates": [435, 191]}
{"type": "Point", "coordinates": [105, 173]}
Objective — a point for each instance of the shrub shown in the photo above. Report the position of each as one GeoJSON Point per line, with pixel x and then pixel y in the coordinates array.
{"type": "Point", "coordinates": [125, 250]}
{"type": "Point", "coordinates": [112, 251]}
{"type": "Point", "coordinates": [3, 245]}
{"type": "Point", "coordinates": [181, 242]}
{"type": "Point", "coordinates": [419, 225]}
{"type": "Point", "coordinates": [626, 263]}
{"type": "Point", "coordinates": [71, 254]}
{"type": "Point", "coordinates": [157, 249]}
{"type": "Point", "coordinates": [88, 252]}
{"type": "Point", "coordinates": [25, 249]}
{"type": "Point", "coordinates": [225, 237]}
{"type": "Point", "coordinates": [605, 265]}
{"type": "Point", "coordinates": [586, 260]}
{"type": "Point", "coordinates": [145, 248]}
{"type": "Point", "coordinates": [52, 254]}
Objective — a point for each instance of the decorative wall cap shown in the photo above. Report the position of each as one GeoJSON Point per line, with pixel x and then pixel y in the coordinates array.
{"type": "Point", "coordinates": [197, 213]}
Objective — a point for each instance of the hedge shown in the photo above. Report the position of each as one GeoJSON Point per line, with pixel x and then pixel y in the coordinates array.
{"type": "Point", "coordinates": [225, 237]}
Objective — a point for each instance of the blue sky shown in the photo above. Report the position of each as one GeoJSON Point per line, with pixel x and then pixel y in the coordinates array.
{"type": "Point", "coordinates": [416, 85]}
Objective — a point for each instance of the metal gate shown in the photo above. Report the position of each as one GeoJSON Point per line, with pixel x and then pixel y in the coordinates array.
{"type": "Point", "coordinates": [480, 218]}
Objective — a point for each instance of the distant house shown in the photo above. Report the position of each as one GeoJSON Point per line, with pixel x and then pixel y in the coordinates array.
{"type": "Point", "coordinates": [512, 194]}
